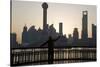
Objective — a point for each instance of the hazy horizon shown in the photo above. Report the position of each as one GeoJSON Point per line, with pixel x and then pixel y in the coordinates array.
{"type": "Point", "coordinates": [31, 13]}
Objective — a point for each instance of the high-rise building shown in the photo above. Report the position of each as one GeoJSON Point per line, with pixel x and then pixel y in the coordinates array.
{"type": "Point", "coordinates": [70, 39]}
{"type": "Point", "coordinates": [84, 35]}
{"type": "Point", "coordinates": [13, 40]}
{"type": "Point", "coordinates": [94, 32]}
{"type": "Point", "coordinates": [61, 28]}
{"type": "Point", "coordinates": [75, 35]}
{"type": "Point", "coordinates": [25, 35]}
{"type": "Point", "coordinates": [52, 31]}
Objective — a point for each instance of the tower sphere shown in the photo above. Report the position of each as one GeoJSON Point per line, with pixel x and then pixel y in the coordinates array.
{"type": "Point", "coordinates": [85, 12]}
{"type": "Point", "coordinates": [45, 5]}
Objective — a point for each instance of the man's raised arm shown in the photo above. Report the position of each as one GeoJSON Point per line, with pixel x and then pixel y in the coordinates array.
{"type": "Point", "coordinates": [56, 38]}
{"type": "Point", "coordinates": [44, 43]}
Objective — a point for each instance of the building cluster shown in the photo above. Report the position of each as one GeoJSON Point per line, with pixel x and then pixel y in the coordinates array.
{"type": "Point", "coordinates": [34, 38]}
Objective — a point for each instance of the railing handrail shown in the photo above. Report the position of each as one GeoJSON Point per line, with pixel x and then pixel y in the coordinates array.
{"type": "Point", "coordinates": [56, 47]}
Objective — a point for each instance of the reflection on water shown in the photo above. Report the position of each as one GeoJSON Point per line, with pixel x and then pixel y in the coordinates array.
{"type": "Point", "coordinates": [61, 55]}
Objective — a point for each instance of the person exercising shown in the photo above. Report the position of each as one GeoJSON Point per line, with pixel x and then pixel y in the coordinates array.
{"type": "Point", "coordinates": [50, 43]}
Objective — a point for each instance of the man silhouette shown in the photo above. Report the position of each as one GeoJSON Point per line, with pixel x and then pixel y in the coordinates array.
{"type": "Point", "coordinates": [50, 43]}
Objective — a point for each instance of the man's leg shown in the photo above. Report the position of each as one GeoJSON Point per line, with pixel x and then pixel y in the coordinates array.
{"type": "Point", "coordinates": [50, 57]}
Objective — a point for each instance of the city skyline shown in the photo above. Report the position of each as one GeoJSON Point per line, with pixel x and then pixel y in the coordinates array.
{"type": "Point", "coordinates": [32, 10]}
{"type": "Point", "coordinates": [46, 44]}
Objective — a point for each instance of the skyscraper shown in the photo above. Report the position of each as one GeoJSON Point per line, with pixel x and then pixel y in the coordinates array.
{"type": "Point", "coordinates": [75, 35]}
{"type": "Point", "coordinates": [13, 41]}
{"type": "Point", "coordinates": [85, 26]}
{"type": "Point", "coordinates": [25, 35]}
{"type": "Point", "coordinates": [70, 39]}
{"type": "Point", "coordinates": [94, 32]}
{"type": "Point", "coordinates": [61, 28]}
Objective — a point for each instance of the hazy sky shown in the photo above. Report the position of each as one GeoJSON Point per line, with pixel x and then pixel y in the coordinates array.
{"type": "Point", "coordinates": [31, 13]}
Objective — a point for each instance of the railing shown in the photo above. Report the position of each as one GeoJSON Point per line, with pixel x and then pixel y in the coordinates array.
{"type": "Point", "coordinates": [25, 56]}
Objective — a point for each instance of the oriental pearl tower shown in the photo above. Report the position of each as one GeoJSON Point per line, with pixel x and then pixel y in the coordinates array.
{"type": "Point", "coordinates": [44, 6]}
